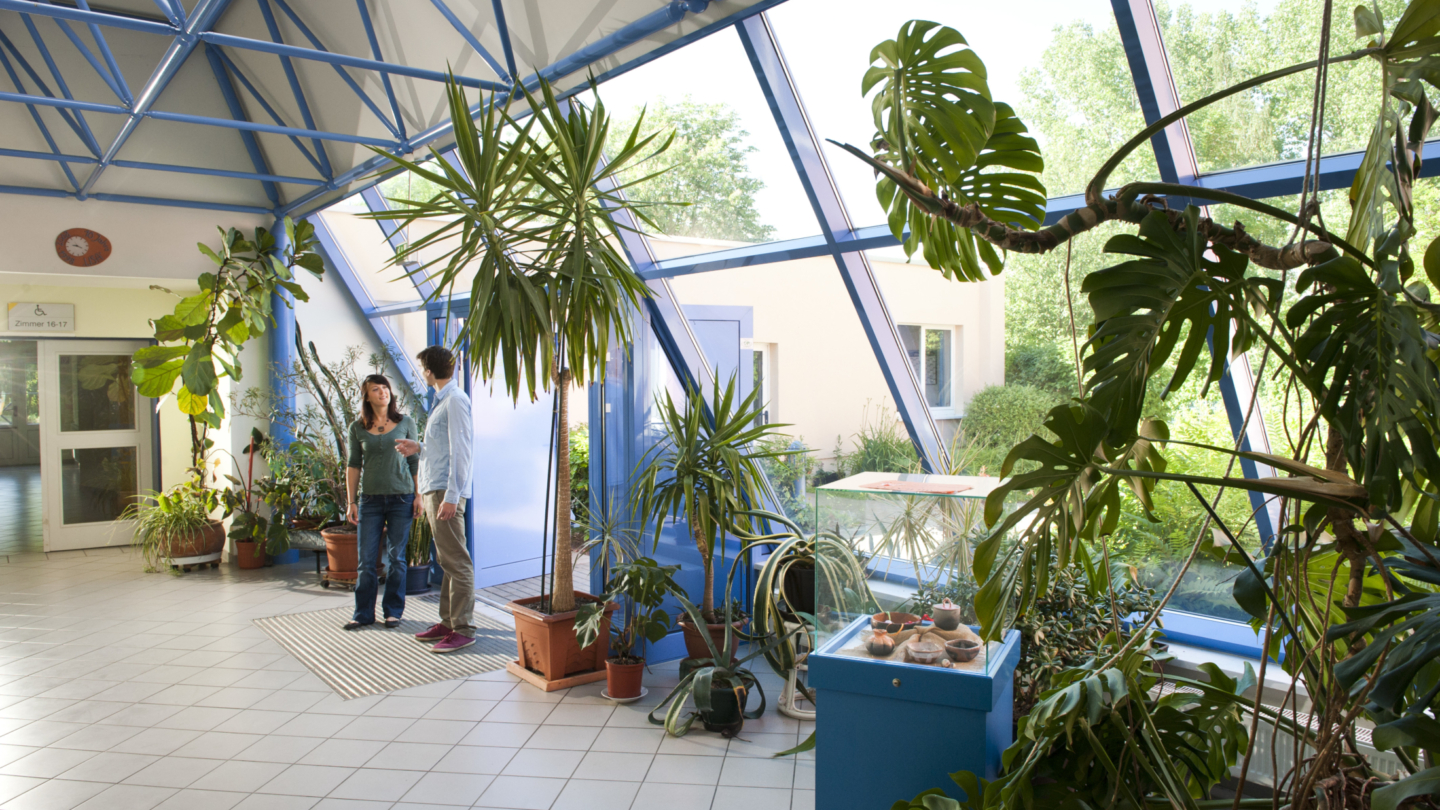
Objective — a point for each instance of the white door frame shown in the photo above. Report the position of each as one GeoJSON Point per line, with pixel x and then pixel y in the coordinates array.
{"type": "Point", "coordinates": [59, 536]}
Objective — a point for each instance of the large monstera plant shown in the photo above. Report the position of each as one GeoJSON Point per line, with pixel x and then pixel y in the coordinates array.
{"type": "Point", "coordinates": [1348, 590]}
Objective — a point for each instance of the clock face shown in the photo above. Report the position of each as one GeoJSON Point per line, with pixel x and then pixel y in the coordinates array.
{"type": "Point", "coordinates": [82, 247]}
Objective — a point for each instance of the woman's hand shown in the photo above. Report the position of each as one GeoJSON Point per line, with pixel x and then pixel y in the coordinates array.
{"type": "Point", "coordinates": [352, 514]}
{"type": "Point", "coordinates": [419, 506]}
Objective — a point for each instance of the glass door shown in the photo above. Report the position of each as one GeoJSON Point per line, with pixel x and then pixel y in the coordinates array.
{"type": "Point", "coordinates": [95, 441]}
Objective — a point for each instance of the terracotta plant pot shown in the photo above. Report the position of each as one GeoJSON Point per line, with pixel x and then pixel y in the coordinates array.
{"type": "Point", "coordinates": [341, 550]}
{"type": "Point", "coordinates": [546, 641]}
{"type": "Point", "coordinates": [623, 680]}
{"type": "Point", "coordinates": [209, 540]}
{"type": "Point", "coordinates": [695, 643]}
{"type": "Point", "coordinates": [249, 554]}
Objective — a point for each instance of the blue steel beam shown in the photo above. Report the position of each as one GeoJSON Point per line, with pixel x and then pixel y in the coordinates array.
{"type": "Point", "coordinates": [81, 131]}
{"type": "Point", "coordinates": [130, 198]}
{"type": "Point", "coordinates": [265, 105]}
{"type": "Point", "coordinates": [295, 89]}
{"type": "Point", "coordinates": [89, 136]}
{"type": "Point", "coordinates": [644, 27]}
{"type": "Point", "coordinates": [339, 261]}
{"type": "Point", "coordinates": [396, 237]}
{"type": "Point", "coordinates": [278, 49]}
{"type": "Point", "coordinates": [262, 176]}
{"type": "Point", "coordinates": [104, 72]}
{"type": "Point", "coordinates": [206, 14]}
{"type": "Point", "coordinates": [39, 122]}
{"type": "Point", "coordinates": [398, 127]}
{"type": "Point", "coordinates": [504, 31]}
{"type": "Point", "coordinates": [855, 270]}
{"type": "Point", "coordinates": [184, 118]}
{"type": "Point", "coordinates": [282, 344]}
{"type": "Point", "coordinates": [172, 11]}
{"type": "Point", "coordinates": [104, 47]}
{"type": "Point", "coordinates": [84, 16]}
{"type": "Point", "coordinates": [1155, 87]}
{"type": "Point", "coordinates": [232, 101]}
{"type": "Point", "coordinates": [469, 37]}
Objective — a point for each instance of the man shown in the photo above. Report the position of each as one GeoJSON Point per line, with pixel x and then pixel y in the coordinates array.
{"type": "Point", "coordinates": [444, 484]}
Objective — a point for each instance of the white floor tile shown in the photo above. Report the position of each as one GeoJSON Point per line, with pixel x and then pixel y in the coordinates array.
{"type": "Point", "coordinates": [307, 780]}
{"type": "Point", "coordinates": [612, 766]}
{"type": "Point", "coordinates": [521, 793]}
{"type": "Point", "coordinates": [583, 794]}
{"type": "Point", "coordinates": [475, 759]}
{"type": "Point", "coordinates": [660, 796]}
{"type": "Point", "coordinates": [172, 772]}
{"type": "Point", "coordinates": [375, 784]}
{"type": "Point", "coordinates": [686, 770]}
{"type": "Point", "coordinates": [56, 794]}
{"type": "Point", "coordinates": [460, 789]}
{"type": "Point", "coordinates": [750, 798]}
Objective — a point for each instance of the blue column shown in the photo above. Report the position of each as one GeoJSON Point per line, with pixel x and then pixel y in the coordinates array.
{"type": "Point", "coordinates": [282, 344]}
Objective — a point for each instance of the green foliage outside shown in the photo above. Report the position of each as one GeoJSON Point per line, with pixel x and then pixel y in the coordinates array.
{"type": "Point", "coordinates": [706, 176]}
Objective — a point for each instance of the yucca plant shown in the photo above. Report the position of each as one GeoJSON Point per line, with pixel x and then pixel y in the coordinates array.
{"type": "Point", "coordinates": [527, 208]}
{"type": "Point", "coordinates": [705, 468]}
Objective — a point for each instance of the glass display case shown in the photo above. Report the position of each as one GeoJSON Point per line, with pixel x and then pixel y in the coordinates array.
{"type": "Point", "coordinates": [914, 537]}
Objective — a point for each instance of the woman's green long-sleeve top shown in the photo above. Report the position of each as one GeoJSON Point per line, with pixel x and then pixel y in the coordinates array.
{"type": "Point", "coordinates": [383, 471]}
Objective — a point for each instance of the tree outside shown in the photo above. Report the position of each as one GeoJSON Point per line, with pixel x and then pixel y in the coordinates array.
{"type": "Point", "coordinates": [707, 166]}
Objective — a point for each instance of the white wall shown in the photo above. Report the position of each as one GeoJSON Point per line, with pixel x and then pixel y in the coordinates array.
{"type": "Point", "coordinates": [825, 373]}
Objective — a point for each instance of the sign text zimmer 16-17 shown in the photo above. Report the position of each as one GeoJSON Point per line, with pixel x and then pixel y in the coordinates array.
{"type": "Point", "coordinates": [42, 317]}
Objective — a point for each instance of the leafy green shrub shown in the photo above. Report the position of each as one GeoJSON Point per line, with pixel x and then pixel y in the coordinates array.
{"type": "Point", "coordinates": [579, 469]}
{"type": "Point", "coordinates": [1043, 367]}
{"type": "Point", "coordinates": [882, 445]}
{"type": "Point", "coordinates": [1000, 417]}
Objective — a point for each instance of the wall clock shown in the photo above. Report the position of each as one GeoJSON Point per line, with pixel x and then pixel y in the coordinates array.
{"type": "Point", "coordinates": [82, 247]}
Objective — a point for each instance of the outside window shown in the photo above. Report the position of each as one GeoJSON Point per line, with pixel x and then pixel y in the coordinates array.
{"type": "Point", "coordinates": [764, 386]}
{"type": "Point", "coordinates": [933, 358]}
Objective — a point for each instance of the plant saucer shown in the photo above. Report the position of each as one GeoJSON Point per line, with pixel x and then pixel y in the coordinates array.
{"type": "Point", "coordinates": [623, 701]}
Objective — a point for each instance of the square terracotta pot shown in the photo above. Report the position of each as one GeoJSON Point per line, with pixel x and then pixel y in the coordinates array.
{"type": "Point", "coordinates": [546, 642]}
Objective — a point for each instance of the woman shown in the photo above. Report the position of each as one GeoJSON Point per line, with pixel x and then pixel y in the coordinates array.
{"type": "Point", "coordinates": [387, 504]}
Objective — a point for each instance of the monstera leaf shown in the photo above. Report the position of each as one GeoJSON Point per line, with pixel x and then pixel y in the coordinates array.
{"type": "Point", "coordinates": [1143, 306]}
{"type": "Point", "coordinates": [999, 182]}
{"type": "Point", "coordinates": [1368, 366]}
{"type": "Point", "coordinates": [934, 105]}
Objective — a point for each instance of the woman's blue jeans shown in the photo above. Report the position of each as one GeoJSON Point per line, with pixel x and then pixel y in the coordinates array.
{"type": "Point", "coordinates": [388, 516]}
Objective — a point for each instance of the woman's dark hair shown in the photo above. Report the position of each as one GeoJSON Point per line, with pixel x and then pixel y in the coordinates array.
{"type": "Point", "coordinates": [367, 409]}
{"type": "Point", "coordinates": [439, 360]}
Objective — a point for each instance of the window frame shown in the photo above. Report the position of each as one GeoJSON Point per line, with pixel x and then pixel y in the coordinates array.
{"type": "Point", "coordinates": [953, 410]}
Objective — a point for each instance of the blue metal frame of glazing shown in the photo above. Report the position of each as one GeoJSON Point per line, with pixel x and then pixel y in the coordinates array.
{"type": "Point", "coordinates": [666, 350]}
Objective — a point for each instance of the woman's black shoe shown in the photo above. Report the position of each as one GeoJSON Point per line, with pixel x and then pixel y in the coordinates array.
{"type": "Point", "coordinates": [357, 625]}
{"type": "Point", "coordinates": [392, 622]}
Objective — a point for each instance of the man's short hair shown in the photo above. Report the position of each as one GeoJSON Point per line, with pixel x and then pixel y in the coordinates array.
{"type": "Point", "coordinates": [439, 360]}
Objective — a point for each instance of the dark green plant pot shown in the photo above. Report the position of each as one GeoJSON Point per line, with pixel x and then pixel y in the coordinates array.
{"type": "Point", "coordinates": [417, 579]}
{"type": "Point", "coordinates": [727, 711]}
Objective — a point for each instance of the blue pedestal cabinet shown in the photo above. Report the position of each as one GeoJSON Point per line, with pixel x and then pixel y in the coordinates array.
{"type": "Point", "coordinates": [887, 730]}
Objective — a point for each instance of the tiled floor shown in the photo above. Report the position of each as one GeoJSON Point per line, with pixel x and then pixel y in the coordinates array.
{"type": "Point", "coordinates": [121, 690]}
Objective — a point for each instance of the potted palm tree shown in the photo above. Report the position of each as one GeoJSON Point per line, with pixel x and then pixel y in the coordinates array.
{"type": "Point", "coordinates": [706, 468]}
{"type": "Point", "coordinates": [526, 210]}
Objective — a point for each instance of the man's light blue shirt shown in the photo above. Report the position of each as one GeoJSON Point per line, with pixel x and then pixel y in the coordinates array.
{"type": "Point", "coordinates": [445, 455]}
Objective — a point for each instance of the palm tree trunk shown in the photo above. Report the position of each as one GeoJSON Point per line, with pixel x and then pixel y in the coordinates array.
{"type": "Point", "coordinates": [707, 594]}
{"type": "Point", "coordinates": [563, 598]}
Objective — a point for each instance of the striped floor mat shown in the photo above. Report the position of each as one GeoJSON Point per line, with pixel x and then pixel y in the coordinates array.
{"type": "Point", "coordinates": [375, 660]}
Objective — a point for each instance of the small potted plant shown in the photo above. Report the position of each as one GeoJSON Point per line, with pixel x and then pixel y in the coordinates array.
{"type": "Point", "coordinates": [718, 684]}
{"type": "Point", "coordinates": [254, 534]}
{"type": "Point", "coordinates": [640, 587]}
{"type": "Point", "coordinates": [176, 524]}
{"type": "Point", "coordinates": [417, 558]}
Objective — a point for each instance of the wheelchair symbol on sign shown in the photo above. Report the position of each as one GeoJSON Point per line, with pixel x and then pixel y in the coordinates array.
{"type": "Point", "coordinates": [39, 313]}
